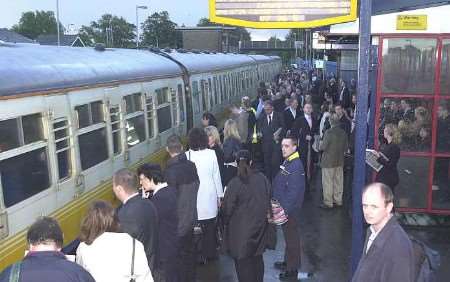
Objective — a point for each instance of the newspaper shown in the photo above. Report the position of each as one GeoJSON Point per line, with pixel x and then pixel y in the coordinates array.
{"type": "Point", "coordinates": [372, 160]}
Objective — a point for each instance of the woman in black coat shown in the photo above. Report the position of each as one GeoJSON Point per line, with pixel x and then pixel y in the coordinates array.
{"type": "Point", "coordinates": [245, 209]}
{"type": "Point", "coordinates": [231, 145]}
{"type": "Point", "coordinates": [389, 156]}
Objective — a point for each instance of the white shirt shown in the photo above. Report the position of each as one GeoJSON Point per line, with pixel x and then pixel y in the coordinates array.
{"type": "Point", "coordinates": [108, 258]}
{"type": "Point", "coordinates": [293, 112]}
{"type": "Point", "coordinates": [322, 122]}
{"type": "Point", "coordinates": [269, 118]}
{"type": "Point", "coordinates": [210, 188]}
{"type": "Point", "coordinates": [373, 235]}
{"type": "Point", "coordinates": [309, 120]}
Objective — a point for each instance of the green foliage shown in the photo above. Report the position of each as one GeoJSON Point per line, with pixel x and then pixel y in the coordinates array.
{"type": "Point", "coordinates": [295, 34]}
{"type": "Point", "coordinates": [240, 32]}
{"type": "Point", "coordinates": [160, 31]}
{"type": "Point", "coordinates": [33, 24]}
{"type": "Point", "coordinates": [111, 30]}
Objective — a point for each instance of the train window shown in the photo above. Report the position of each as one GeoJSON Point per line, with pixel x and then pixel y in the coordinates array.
{"type": "Point", "coordinates": [149, 108]}
{"type": "Point", "coordinates": [181, 101]}
{"type": "Point", "coordinates": [409, 65]}
{"type": "Point", "coordinates": [9, 135]}
{"type": "Point", "coordinates": [163, 112]}
{"type": "Point", "coordinates": [162, 95]}
{"type": "Point", "coordinates": [133, 103]}
{"type": "Point", "coordinates": [173, 94]}
{"type": "Point", "coordinates": [441, 183]}
{"type": "Point", "coordinates": [89, 114]}
{"type": "Point", "coordinates": [114, 114]}
{"type": "Point", "coordinates": [135, 130]}
{"type": "Point", "coordinates": [196, 96]}
{"type": "Point", "coordinates": [210, 92]}
{"type": "Point", "coordinates": [62, 142]}
{"type": "Point", "coordinates": [93, 148]}
{"type": "Point", "coordinates": [203, 90]}
{"type": "Point", "coordinates": [24, 175]}
{"type": "Point", "coordinates": [164, 119]}
{"type": "Point", "coordinates": [216, 91]}
{"type": "Point", "coordinates": [32, 128]}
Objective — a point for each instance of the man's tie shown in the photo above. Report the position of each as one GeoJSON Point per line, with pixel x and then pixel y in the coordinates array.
{"type": "Point", "coordinates": [270, 119]}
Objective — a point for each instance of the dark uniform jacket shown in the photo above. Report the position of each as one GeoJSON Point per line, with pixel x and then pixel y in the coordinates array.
{"type": "Point", "coordinates": [245, 210]}
{"type": "Point", "coordinates": [390, 257]}
{"type": "Point", "coordinates": [48, 266]}
{"type": "Point", "coordinates": [165, 200]}
{"type": "Point", "coordinates": [182, 174]}
{"type": "Point", "coordinates": [289, 184]}
{"type": "Point", "coordinates": [389, 173]}
{"type": "Point", "coordinates": [138, 217]}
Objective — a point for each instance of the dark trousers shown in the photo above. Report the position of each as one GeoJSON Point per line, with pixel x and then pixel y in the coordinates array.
{"type": "Point", "coordinates": [167, 271]}
{"type": "Point", "coordinates": [272, 160]}
{"type": "Point", "coordinates": [187, 258]}
{"type": "Point", "coordinates": [209, 239]}
{"type": "Point", "coordinates": [292, 252]}
{"type": "Point", "coordinates": [250, 269]}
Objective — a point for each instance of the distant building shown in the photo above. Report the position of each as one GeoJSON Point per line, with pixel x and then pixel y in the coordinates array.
{"type": "Point", "coordinates": [10, 36]}
{"type": "Point", "coordinates": [210, 38]}
{"type": "Point", "coordinates": [65, 40]}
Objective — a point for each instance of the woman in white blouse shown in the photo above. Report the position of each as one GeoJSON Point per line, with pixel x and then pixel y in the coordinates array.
{"type": "Point", "coordinates": [210, 191]}
{"type": "Point", "coordinates": [107, 254]}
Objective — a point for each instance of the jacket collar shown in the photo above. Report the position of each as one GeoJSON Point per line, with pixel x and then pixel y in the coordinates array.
{"type": "Point", "coordinates": [293, 157]}
{"type": "Point", "coordinates": [55, 254]}
{"type": "Point", "coordinates": [178, 158]}
{"type": "Point", "coordinates": [383, 235]}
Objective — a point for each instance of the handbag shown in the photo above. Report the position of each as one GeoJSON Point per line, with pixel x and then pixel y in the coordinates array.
{"type": "Point", "coordinates": [279, 216]}
{"type": "Point", "coordinates": [132, 276]}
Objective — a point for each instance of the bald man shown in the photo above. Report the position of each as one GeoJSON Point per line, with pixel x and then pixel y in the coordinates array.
{"type": "Point", "coordinates": [388, 252]}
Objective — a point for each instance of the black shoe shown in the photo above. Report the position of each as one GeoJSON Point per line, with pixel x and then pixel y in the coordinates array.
{"type": "Point", "coordinates": [280, 265]}
{"type": "Point", "coordinates": [289, 275]}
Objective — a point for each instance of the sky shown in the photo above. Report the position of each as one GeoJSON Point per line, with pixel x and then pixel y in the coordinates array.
{"type": "Point", "coordinates": [82, 12]}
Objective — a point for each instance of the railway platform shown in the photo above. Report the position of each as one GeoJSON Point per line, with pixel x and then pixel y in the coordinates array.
{"type": "Point", "coordinates": [326, 239]}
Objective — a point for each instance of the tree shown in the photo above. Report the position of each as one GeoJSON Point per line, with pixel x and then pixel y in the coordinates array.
{"type": "Point", "coordinates": [241, 32]}
{"type": "Point", "coordinates": [159, 31]}
{"type": "Point", "coordinates": [111, 30]}
{"type": "Point", "coordinates": [295, 34]}
{"type": "Point", "coordinates": [33, 24]}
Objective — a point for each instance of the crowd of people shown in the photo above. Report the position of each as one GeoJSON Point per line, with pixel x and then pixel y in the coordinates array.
{"type": "Point", "coordinates": [227, 190]}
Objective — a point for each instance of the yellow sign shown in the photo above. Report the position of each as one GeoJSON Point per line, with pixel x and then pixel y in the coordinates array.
{"type": "Point", "coordinates": [412, 22]}
{"type": "Point", "coordinates": [282, 13]}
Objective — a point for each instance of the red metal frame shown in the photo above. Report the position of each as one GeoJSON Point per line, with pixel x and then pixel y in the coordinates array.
{"type": "Point", "coordinates": [434, 97]}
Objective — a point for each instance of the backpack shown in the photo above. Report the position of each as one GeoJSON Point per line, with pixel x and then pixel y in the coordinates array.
{"type": "Point", "coordinates": [427, 261]}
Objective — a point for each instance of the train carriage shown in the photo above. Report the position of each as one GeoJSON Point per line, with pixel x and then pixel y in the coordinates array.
{"type": "Point", "coordinates": [70, 117]}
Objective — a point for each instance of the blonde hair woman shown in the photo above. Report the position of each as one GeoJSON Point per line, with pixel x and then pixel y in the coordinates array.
{"type": "Point", "coordinates": [215, 144]}
{"type": "Point", "coordinates": [388, 156]}
{"type": "Point", "coordinates": [231, 145]}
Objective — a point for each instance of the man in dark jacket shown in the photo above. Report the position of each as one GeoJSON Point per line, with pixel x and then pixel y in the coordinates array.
{"type": "Point", "coordinates": [164, 197]}
{"type": "Point", "coordinates": [388, 252]}
{"type": "Point", "coordinates": [137, 216]}
{"type": "Point", "coordinates": [44, 260]}
{"type": "Point", "coordinates": [271, 127]}
{"type": "Point", "coordinates": [289, 189]}
{"type": "Point", "coordinates": [182, 174]}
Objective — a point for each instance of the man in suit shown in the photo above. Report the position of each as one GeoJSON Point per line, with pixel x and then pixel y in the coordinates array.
{"type": "Point", "coordinates": [344, 121]}
{"type": "Point", "coordinates": [270, 127]}
{"type": "Point", "coordinates": [344, 95]}
{"type": "Point", "coordinates": [137, 216]}
{"type": "Point", "coordinates": [291, 114]}
{"type": "Point", "coordinates": [334, 145]}
{"type": "Point", "coordinates": [388, 253]}
{"type": "Point", "coordinates": [305, 127]}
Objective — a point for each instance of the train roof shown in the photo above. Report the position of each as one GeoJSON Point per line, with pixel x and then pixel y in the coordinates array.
{"type": "Point", "coordinates": [264, 58]}
{"type": "Point", "coordinates": [208, 62]}
{"type": "Point", "coordinates": [28, 68]}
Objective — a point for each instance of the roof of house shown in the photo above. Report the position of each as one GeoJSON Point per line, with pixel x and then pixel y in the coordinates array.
{"type": "Point", "coordinates": [7, 35]}
{"type": "Point", "coordinates": [52, 39]}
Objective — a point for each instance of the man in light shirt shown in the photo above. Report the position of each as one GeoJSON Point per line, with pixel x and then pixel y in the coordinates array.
{"type": "Point", "coordinates": [388, 252]}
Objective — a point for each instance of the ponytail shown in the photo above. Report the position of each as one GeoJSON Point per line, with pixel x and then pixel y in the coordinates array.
{"type": "Point", "coordinates": [244, 170]}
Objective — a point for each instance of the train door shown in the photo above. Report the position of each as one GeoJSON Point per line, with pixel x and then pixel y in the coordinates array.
{"type": "Point", "coordinates": [115, 127]}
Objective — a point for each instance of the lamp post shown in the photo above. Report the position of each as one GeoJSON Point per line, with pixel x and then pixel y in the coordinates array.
{"type": "Point", "coordinates": [137, 23]}
{"type": "Point", "coordinates": [57, 22]}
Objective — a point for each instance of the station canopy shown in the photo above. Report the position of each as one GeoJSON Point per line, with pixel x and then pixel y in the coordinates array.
{"type": "Point", "coordinates": [391, 6]}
